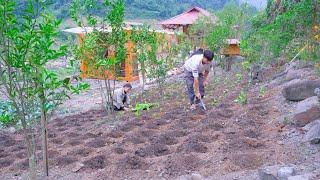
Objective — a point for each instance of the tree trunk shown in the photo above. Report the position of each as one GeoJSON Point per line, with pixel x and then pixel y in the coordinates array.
{"type": "Point", "coordinates": [44, 124]}
{"type": "Point", "coordinates": [31, 150]}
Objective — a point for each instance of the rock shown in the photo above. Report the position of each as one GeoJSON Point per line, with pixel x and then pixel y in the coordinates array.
{"type": "Point", "coordinates": [285, 172]}
{"type": "Point", "coordinates": [196, 176]}
{"type": "Point", "coordinates": [300, 90]}
{"type": "Point", "coordinates": [313, 135]}
{"type": "Point", "coordinates": [268, 173]}
{"type": "Point", "coordinates": [299, 177]}
{"type": "Point", "coordinates": [12, 130]}
{"type": "Point", "coordinates": [307, 111]}
{"type": "Point", "coordinates": [307, 127]}
{"type": "Point", "coordinates": [317, 92]}
{"type": "Point", "coordinates": [77, 167]}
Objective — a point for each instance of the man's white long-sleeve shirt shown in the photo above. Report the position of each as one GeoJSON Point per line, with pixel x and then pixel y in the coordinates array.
{"type": "Point", "coordinates": [194, 65]}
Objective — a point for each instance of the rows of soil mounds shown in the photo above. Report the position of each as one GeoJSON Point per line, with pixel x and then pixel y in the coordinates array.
{"type": "Point", "coordinates": [174, 143]}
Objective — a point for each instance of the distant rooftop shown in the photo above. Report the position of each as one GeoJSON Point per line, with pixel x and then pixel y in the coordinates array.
{"type": "Point", "coordinates": [85, 30]}
{"type": "Point", "coordinates": [188, 17]}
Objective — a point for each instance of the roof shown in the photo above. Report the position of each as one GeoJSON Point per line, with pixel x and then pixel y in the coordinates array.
{"type": "Point", "coordinates": [85, 30]}
{"type": "Point", "coordinates": [233, 41]}
{"type": "Point", "coordinates": [188, 17]}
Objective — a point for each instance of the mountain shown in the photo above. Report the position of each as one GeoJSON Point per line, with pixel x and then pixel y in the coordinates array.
{"type": "Point", "coordinates": [259, 4]}
{"type": "Point", "coordinates": [142, 9]}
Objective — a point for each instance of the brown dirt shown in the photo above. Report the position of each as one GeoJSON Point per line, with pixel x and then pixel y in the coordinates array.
{"type": "Point", "coordinates": [97, 162]}
{"type": "Point", "coordinates": [168, 140]}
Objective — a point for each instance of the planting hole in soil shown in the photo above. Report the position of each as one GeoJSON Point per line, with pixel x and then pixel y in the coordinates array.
{"type": "Point", "coordinates": [23, 165]}
{"type": "Point", "coordinates": [6, 162]}
{"type": "Point", "coordinates": [97, 162]}
{"type": "Point", "coordinates": [164, 139]}
{"type": "Point", "coordinates": [72, 135]}
{"type": "Point", "coordinates": [252, 133]}
{"type": "Point", "coordinates": [115, 134]}
{"type": "Point", "coordinates": [177, 133]}
{"type": "Point", "coordinates": [82, 152]}
{"type": "Point", "coordinates": [135, 139]}
{"type": "Point", "coordinates": [74, 142]}
{"type": "Point", "coordinates": [119, 150]}
{"type": "Point", "coordinates": [89, 135]}
{"type": "Point", "coordinates": [247, 161]}
{"type": "Point", "coordinates": [132, 162]}
{"type": "Point", "coordinates": [154, 149]}
{"type": "Point", "coordinates": [192, 146]}
{"type": "Point", "coordinates": [64, 160]}
{"type": "Point", "coordinates": [21, 155]}
{"type": "Point", "coordinates": [179, 164]}
{"type": "Point", "coordinates": [96, 143]}
{"type": "Point", "coordinates": [56, 141]}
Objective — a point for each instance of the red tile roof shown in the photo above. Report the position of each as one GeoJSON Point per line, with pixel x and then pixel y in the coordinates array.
{"type": "Point", "coordinates": [188, 17]}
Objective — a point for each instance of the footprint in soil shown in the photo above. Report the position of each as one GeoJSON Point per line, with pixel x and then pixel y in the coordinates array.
{"type": "Point", "coordinates": [97, 143]}
{"type": "Point", "coordinates": [153, 150]}
{"type": "Point", "coordinates": [164, 139]}
{"type": "Point", "coordinates": [81, 152]}
{"type": "Point", "coordinates": [178, 164]}
{"type": "Point", "coordinates": [132, 162]}
{"type": "Point", "coordinates": [192, 145]}
{"type": "Point", "coordinates": [64, 160]}
{"type": "Point", "coordinates": [97, 162]}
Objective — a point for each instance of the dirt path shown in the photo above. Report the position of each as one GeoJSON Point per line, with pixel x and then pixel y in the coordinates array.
{"type": "Point", "coordinates": [226, 142]}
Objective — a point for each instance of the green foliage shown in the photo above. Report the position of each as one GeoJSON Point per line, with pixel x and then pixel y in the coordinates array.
{"type": "Point", "coordinates": [101, 40]}
{"type": "Point", "coordinates": [7, 114]}
{"type": "Point", "coordinates": [30, 44]}
{"type": "Point", "coordinates": [143, 106]}
{"type": "Point", "coordinates": [283, 29]}
{"type": "Point", "coordinates": [262, 91]}
{"type": "Point", "coordinates": [239, 76]}
{"type": "Point", "coordinates": [242, 98]}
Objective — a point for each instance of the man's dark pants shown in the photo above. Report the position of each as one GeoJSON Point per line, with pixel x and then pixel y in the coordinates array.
{"type": "Point", "coordinates": [190, 82]}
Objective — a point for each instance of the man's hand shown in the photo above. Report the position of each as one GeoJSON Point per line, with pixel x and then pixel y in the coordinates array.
{"type": "Point", "coordinates": [198, 95]}
{"type": "Point", "coordinates": [205, 83]}
{"type": "Point", "coordinates": [126, 109]}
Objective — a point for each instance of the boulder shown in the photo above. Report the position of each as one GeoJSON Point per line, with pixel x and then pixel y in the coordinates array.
{"type": "Point", "coordinates": [268, 173]}
{"type": "Point", "coordinates": [307, 111]}
{"type": "Point", "coordinates": [300, 90]}
{"type": "Point", "coordinates": [299, 177]}
{"type": "Point", "coordinates": [313, 134]}
{"type": "Point", "coordinates": [285, 172]}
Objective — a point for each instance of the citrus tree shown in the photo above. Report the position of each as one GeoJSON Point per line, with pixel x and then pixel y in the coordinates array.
{"type": "Point", "coordinates": [107, 33]}
{"type": "Point", "coordinates": [27, 46]}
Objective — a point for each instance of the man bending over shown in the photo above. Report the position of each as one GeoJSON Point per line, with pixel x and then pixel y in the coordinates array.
{"type": "Point", "coordinates": [197, 69]}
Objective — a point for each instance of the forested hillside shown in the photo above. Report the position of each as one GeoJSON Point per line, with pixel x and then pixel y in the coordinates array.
{"type": "Point", "coordinates": [150, 9]}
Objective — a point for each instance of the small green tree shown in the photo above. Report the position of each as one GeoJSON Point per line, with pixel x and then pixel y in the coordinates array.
{"type": "Point", "coordinates": [99, 40]}
{"type": "Point", "coordinates": [27, 45]}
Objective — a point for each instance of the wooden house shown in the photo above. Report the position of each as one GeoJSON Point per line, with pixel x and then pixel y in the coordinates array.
{"type": "Point", "coordinates": [129, 67]}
